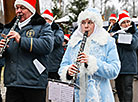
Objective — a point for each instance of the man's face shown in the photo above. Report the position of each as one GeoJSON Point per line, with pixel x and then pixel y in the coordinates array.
{"type": "Point", "coordinates": [87, 25]}
{"type": "Point", "coordinates": [125, 23]}
{"type": "Point", "coordinates": [23, 11]}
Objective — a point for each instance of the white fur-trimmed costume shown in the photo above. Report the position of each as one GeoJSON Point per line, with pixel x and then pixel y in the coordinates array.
{"type": "Point", "coordinates": [103, 61]}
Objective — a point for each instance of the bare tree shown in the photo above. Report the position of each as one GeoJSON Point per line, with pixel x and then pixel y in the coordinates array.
{"type": "Point", "coordinates": [134, 12]}
{"type": "Point", "coordinates": [93, 3]}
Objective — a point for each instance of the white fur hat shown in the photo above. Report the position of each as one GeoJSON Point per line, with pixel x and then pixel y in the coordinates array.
{"type": "Point", "coordinates": [92, 14]}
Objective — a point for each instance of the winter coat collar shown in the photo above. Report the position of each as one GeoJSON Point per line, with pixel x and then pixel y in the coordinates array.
{"type": "Point", "coordinates": [54, 26]}
{"type": "Point", "coordinates": [131, 30]}
{"type": "Point", "coordinates": [100, 36]}
{"type": "Point", "coordinates": [35, 20]}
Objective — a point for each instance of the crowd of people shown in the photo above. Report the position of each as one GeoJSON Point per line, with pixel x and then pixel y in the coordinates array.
{"type": "Point", "coordinates": [38, 50]}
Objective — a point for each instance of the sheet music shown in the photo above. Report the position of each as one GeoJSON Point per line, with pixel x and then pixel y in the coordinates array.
{"type": "Point", "coordinates": [125, 38]}
{"type": "Point", "coordinates": [54, 91]}
{"type": "Point", "coordinates": [39, 66]}
{"type": "Point", "coordinates": [59, 92]}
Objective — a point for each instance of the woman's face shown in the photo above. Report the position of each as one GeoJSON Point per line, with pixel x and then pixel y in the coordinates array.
{"type": "Point", "coordinates": [87, 25]}
{"type": "Point", "coordinates": [125, 23]}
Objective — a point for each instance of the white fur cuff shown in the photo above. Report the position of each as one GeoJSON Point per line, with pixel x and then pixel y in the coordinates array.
{"type": "Point", "coordinates": [63, 74]}
{"type": "Point", "coordinates": [92, 65]}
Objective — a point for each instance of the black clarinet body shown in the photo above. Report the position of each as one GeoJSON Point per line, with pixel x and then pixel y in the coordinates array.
{"type": "Point", "coordinates": [80, 50]}
{"type": "Point", "coordinates": [6, 38]}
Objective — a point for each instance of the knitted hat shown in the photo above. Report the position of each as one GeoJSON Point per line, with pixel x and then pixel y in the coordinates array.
{"type": "Point", "coordinates": [67, 37]}
{"type": "Point", "coordinates": [29, 4]}
{"type": "Point", "coordinates": [92, 14]}
{"type": "Point", "coordinates": [48, 14]}
{"type": "Point", "coordinates": [113, 16]}
{"type": "Point", "coordinates": [123, 17]}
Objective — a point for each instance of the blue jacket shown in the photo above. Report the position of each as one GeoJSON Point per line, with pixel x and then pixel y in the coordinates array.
{"type": "Point", "coordinates": [103, 65]}
{"type": "Point", "coordinates": [127, 52]}
{"type": "Point", "coordinates": [55, 57]}
{"type": "Point", "coordinates": [36, 42]}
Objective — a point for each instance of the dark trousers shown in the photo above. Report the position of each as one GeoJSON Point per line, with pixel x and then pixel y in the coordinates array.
{"type": "Point", "coordinates": [124, 87]}
{"type": "Point", "coordinates": [53, 75]}
{"type": "Point", "coordinates": [0, 98]}
{"type": "Point", "coordinates": [16, 94]}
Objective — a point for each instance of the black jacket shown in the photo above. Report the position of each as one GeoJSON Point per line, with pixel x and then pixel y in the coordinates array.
{"type": "Point", "coordinates": [127, 52]}
{"type": "Point", "coordinates": [55, 57]}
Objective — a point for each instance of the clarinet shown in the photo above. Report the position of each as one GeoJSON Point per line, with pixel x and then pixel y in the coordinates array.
{"type": "Point", "coordinates": [81, 50]}
{"type": "Point", "coordinates": [6, 38]}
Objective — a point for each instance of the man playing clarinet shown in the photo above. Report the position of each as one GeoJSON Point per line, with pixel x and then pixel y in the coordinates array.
{"type": "Point", "coordinates": [30, 41]}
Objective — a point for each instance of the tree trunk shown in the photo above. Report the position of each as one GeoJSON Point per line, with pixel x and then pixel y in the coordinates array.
{"type": "Point", "coordinates": [133, 7]}
{"type": "Point", "coordinates": [9, 11]}
{"type": "Point", "coordinates": [37, 7]}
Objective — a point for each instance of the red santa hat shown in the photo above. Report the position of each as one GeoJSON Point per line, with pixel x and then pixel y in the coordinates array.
{"type": "Point", "coordinates": [113, 16]}
{"type": "Point", "coordinates": [123, 17]}
{"type": "Point", "coordinates": [67, 37]}
{"type": "Point", "coordinates": [29, 4]}
{"type": "Point", "coordinates": [124, 11]}
{"type": "Point", "coordinates": [48, 14]}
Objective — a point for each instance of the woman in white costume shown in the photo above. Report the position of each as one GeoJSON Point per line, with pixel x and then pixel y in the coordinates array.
{"type": "Point", "coordinates": [99, 61]}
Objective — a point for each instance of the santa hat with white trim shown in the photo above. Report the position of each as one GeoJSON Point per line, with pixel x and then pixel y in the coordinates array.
{"type": "Point", "coordinates": [67, 37]}
{"type": "Point", "coordinates": [124, 11]}
{"type": "Point", "coordinates": [113, 16]}
{"type": "Point", "coordinates": [48, 14]}
{"type": "Point", "coordinates": [29, 4]}
{"type": "Point", "coordinates": [123, 17]}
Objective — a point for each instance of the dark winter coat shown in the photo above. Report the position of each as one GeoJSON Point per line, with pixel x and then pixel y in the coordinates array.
{"type": "Point", "coordinates": [127, 52]}
{"type": "Point", "coordinates": [36, 42]}
{"type": "Point", "coordinates": [106, 27]}
{"type": "Point", "coordinates": [55, 57]}
{"type": "Point", "coordinates": [1, 59]}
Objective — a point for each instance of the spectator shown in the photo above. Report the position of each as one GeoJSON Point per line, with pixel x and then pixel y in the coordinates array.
{"type": "Point", "coordinates": [55, 57]}
{"type": "Point", "coordinates": [99, 61]}
{"type": "Point", "coordinates": [25, 74]}
{"type": "Point", "coordinates": [127, 55]}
